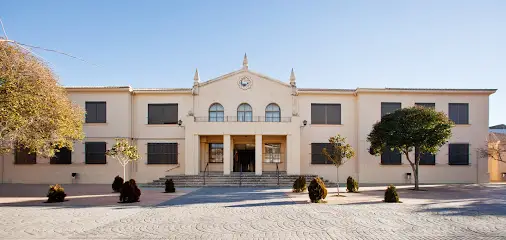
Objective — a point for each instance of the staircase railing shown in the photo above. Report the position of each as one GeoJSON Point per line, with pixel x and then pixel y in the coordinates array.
{"type": "Point", "coordinates": [277, 171]}
{"type": "Point", "coordinates": [205, 171]}
{"type": "Point", "coordinates": [240, 177]}
{"type": "Point", "coordinates": [173, 168]}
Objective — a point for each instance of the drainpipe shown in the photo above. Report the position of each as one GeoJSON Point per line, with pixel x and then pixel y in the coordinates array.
{"type": "Point", "coordinates": [3, 167]}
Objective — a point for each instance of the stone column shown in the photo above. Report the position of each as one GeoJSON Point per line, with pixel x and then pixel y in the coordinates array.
{"type": "Point", "coordinates": [226, 155]}
{"type": "Point", "coordinates": [293, 154]}
{"type": "Point", "coordinates": [258, 154]}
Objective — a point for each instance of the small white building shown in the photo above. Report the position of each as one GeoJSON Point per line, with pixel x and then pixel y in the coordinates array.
{"type": "Point", "coordinates": [247, 121]}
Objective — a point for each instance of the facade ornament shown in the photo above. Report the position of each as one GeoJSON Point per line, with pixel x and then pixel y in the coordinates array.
{"type": "Point", "coordinates": [245, 62]}
{"type": "Point", "coordinates": [196, 82]}
{"type": "Point", "coordinates": [292, 78]}
{"type": "Point", "coordinates": [245, 83]}
{"type": "Point", "coordinates": [196, 78]}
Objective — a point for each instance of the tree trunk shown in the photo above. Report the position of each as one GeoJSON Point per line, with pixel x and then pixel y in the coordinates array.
{"type": "Point", "coordinates": [415, 172]}
{"type": "Point", "coordinates": [124, 172]}
{"type": "Point", "coordinates": [337, 171]}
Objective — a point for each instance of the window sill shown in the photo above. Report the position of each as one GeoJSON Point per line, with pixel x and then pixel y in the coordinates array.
{"type": "Point", "coordinates": [215, 162]}
{"type": "Point", "coordinates": [399, 165]}
{"type": "Point", "coordinates": [160, 124]}
{"type": "Point", "coordinates": [324, 125]}
{"type": "Point", "coordinates": [91, 123]}
{"type": "Point", "coordinates": [463, 125]}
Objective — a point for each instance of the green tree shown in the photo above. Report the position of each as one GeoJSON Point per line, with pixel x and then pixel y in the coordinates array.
{"type": "Point", "coordinates": [339, 153]}
{"type": "Point", "coordinates": [416, 128]}
{"type": "Point", "coordinates": [35, 111]}
{"type": "Point", "coordinates": [124, 153]}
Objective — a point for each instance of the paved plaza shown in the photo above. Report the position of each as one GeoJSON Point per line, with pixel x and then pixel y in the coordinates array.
{"type": "Point", "coordinates": [442, 212]}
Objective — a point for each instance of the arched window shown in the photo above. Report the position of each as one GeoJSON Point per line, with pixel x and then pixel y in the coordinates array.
{"type": "Point", "coordinates": [216, 113]}
{"type": "Point", "coordinates": [272, 113]}
{"type": "Point", "coordinates": [244, 113]}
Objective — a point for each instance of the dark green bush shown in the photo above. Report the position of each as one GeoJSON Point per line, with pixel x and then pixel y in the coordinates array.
{"type": "Point", "coordinates": [391, 194]}
{"type": "Point", "coordinates": [129, 192]}
{"type": "Point", "coordinates": [56, 193]}
{"type": "Point", "coordinates": [117, 183]}
{"type": "Point", "coordinates": [300, 184]}
{"type": "Point", "coordinates": [169, 186]}
{"type": "Point", "coordinates": [351, 185]}
{"type": "Point", "coordinates": [317, 190]}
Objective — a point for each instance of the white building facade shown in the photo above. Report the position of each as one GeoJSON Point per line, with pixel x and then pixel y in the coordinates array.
{"type": "Point", "coordinates": [245, 121]}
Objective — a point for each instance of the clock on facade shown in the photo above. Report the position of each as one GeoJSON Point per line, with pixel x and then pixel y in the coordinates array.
{"type": "Point", "coordinates": [245, 83]}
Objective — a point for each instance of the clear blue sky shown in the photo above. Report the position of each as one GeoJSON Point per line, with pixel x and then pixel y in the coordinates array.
{"type": "Point", "coordinates": [334, 44]}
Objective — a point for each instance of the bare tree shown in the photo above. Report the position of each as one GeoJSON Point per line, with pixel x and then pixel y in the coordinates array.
{"type": "Point", "coordinates": [496, 148]}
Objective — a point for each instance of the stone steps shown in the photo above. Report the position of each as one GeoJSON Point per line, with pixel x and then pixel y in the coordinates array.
{"type": "Point", "coordinates": [249, 179]}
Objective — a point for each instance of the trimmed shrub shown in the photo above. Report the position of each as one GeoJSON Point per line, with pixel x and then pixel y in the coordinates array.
{"type": "Point", "coordinates": [300, 184]}
{"type": "Point", "coordinates": [391, 194]}
{"type": "Point", "coordinates": [317, 190]}
{"type": "Point", "coordinates": [56, 193]}
{"type": "Point", "coordinates": [169, 186]}
{"type": "Point", "coordinates": [117, 183]}
{"type": "Point", "coordinates": [351, 185]}
{"type": "Point", "coordinates": [129, 192]}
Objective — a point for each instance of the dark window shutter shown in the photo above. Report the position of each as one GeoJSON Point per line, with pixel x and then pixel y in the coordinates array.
{"type": "Point", "coordinates": [64, 156]}
{"type": "Point", "coordinates": [464, 113]}
{"type": "Point", "coordinates": [427, 158]}
{"type": "Point", "coordinates": [95, 153]}
{"type": "Point", "coordinates": [317, 156]}
{"type": "Point", "coordinates": [162, 153]}
{"type": "Point", "coordinates": [458, 154]}
{"type": "Point", "coordinates": [101, 112]}
{"type": "Point", "coordinates": [91, 112]}
{"type": "Point", "coordinates": [22, 156]}
{"type": "Point", "coordinates": [333, 113]}
{"type": "Point", "coordinates": [317, 114]}
{"type": "Point", "coordinates": [389, 107]}
{"type": "Point", "coordinates": [459, 113]}
{"type": "Point", "coordinates": [390, 157]}
{"type": "Point", "coordinates": [162, 113]}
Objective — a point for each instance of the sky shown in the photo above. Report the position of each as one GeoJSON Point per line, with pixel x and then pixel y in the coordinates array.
{"type": "Point", "coordinates": [330, 44]}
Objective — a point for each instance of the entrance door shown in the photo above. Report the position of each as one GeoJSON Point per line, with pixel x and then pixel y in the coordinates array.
{"type": "Point", "coordinates": [244, 158]}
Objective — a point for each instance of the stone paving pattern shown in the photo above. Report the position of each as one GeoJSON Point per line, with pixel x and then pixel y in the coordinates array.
{"type": "Point", "coordinates": [458, 212]}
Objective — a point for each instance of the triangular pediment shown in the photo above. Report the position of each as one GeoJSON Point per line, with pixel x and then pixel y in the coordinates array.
{"type": "Point", "coordinates": [242, 72]}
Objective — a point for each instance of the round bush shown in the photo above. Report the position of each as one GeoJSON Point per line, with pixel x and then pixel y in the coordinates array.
{"type": "Point", "coordinates": [169, 186]}
{"type": "Point", "coordinates": [129, 192]}
{"type": "Point", "coordinates": [391, 194]}
{"type": "Point", "coordinates": [317, 190]}
{"type": "Point", "coordinates": [56, 193]}
{"type": "Point", "coordinates": [351, 185]}
{"type": "Point", "coordinates": [300, 184]}
{"type": "Point", "coordinates": [117, 183]}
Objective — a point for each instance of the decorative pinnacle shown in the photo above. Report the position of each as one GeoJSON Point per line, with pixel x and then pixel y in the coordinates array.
{"type": "Point", "coordinates": [292, 78]}
{"type": "Point", "coordinates": [245, 62]}
{"type": "Point", "coordinates": [196, 78]}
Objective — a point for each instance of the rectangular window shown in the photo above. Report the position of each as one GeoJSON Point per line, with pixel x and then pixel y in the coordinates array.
{"type": "Point", "coordinates": [390, 157]}
{"type": "Point", "coordinates": [162, 153]}
{"type": "Point", "coordinates": [427, 159]}
{"type": "Point", "coordinates": [162, 113]}
{"type": "Point", "coordinates": [272, 153]}
{"type": "Point", "coordinates": [458, 154]}
{"type": "Point", "coordinates": [317, 156]}
{"type": "Point", "coordinates": [216, 152]}
{"type": "Point", "coordinates": [95, 112]}
{"type": "Point", "coordinates": [63, 156]}
{"type": "Point", "coordinates": [389, 107]}
{"type": "Point", "coordinates": [325, 113]}
{"type": "Point", "coordinates": [95, 153]}
{"type": "Point", "coordinates": [459, 113]}
{"type": "Point", "coordinates": [426, 105]}
{"type": "Point", "coordinates": [22, 156]}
